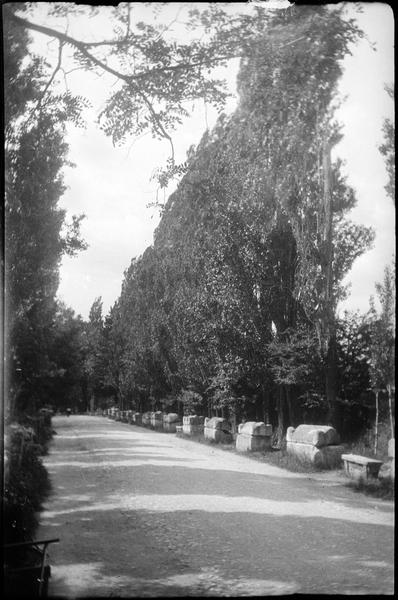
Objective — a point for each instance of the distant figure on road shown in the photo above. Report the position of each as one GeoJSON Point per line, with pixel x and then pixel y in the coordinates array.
{"type": "Point", "coordinates": [68, 412]}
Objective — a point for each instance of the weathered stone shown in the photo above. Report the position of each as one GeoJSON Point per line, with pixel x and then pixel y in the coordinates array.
{"type": "Point", "coordinates": [192, 424]}
{"type": "Point", "coordinates": [124, 416]}
{"type": "Point", "coordinates": [170, 418]}
{"type": "Point", "coordinates": [361, 467]}
{"type": "Point", "coordinates": [157, 419]}
{"type": "Point", "coordinates": [170, 421]}
{"type": "Point", "coordinates": [391, 448]}
{"type": "Point", "coordinates": [253, 437]}
{"type": "Point", "coordinates": [255, 428]}
{"type": "Point", "coordinates": [146, 418]}
{"type": "Point", "coordinates": [137, 418]}
{"type": "Point", "coordinates": [391, 454]}
{"type": "Point", "coordinates": [325, 457]}
{"type": "Point", "coordinates": [316, 435]}
{"type": "Point", "coordinates": [217, 430]}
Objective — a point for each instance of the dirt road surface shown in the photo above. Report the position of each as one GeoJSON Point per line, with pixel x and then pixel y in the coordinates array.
{"type": "Point", "coordinates": [145, 514]}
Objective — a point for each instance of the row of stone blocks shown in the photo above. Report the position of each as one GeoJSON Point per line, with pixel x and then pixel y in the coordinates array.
{"type": "Point", "coordinates": [252, 436]}
{"type": "Point", "coordinates": [156, 419]}
{"type": "Point", "coordinates": [315, 444]}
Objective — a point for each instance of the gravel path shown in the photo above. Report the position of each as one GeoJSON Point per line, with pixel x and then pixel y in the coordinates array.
{"type": "Point", "coordinates": [145, 514]}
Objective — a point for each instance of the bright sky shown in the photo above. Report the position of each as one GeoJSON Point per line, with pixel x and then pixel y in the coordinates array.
{"type": "Point", "coordinates": [112, 186]}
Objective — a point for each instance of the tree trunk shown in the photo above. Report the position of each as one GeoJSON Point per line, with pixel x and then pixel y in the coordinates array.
{"type": "Point", "coordinates": [377, 421]}
{"type": "Point", "coordinates": [266, 406]}
{"type": "Point", "coordinates": [390, 410]}
{"type": "Point", "coordinates": [330, 381]}
{"type": "Point", "coordinates": [290, 411]}
{"type": "Point", "coordinates": [329, 325]}
{"type": "Point", "coordinates": [279, 430]}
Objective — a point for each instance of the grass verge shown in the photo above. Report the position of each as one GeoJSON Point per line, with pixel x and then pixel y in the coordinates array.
{"type": "Point", "coordinates": [376, 488]}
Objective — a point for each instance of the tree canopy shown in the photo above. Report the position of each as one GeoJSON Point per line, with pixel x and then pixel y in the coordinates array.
{"type": "Point", "coordinates": [233, 307]}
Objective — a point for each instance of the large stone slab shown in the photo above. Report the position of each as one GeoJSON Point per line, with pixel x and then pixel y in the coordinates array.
{"type": "Point", "coordinates": [137, 418]}
{"type": "Point", "coordinates": [253, 437]}
{"type": "Point", "coordinates": [391, 448]}
{"type": "Point", "coordinates": [192, 425]}
{"type": "Point", "coordinates": [170, 422]}
{"type": "Point", "coordinates": [146, 418]}
{"type": "Point", "coordinates": [327, 457]}
{"type": "Point", "coordinates": [157, 419]}
{"type": "Point", "coordinates": [316, 435]}
{"type": "Point", "coordinates": [391, 454]}
{"type": "Point", "coordinates": [170, 418]}
{"type": "Point", "coordinates": [217, 429]}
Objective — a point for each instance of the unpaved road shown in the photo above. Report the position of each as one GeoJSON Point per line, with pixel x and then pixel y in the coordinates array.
{"type": "Point", "coordinates": [143, 514]}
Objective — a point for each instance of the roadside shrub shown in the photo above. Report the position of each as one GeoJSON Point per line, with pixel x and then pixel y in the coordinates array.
{"type": "Point", "coordinates": [26, 483]}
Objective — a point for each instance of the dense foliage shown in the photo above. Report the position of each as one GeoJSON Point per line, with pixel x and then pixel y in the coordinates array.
{"type": "Point", "coordinates": [37, 234]}
{"type": "Point", "coordinates": [233, 308]}
{"type": "Point", "coordinates": [40, 353]}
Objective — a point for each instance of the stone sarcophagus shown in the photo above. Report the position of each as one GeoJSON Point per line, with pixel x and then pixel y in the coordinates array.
{"type": "Point", "coordinates": [217, 429]}
{"type": "Point", "coordinates": [315, 444]}
{"type": "Point", "coordinates": [170, 422]}
{"type": "Point", "coordinates": [136, 418]}
{"type": "Point", "coordinates": [192, 424]}
{"type": "Point", "coordinates": [253, 437]}
{"type": "Point", "coordinates": [146, 418]}
{"type": "Point", "coordinates": [157, 419]}
{"type": "Point", "coordinates": [124, 416]}
{"type": "Point", "coordinates": [391, 454]}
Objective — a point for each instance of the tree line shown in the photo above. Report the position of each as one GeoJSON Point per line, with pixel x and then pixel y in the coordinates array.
{"type": "Point", "coordinates": [233, 309]}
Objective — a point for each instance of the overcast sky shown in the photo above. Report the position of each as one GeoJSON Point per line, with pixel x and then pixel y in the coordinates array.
{"type": "Point", "coordinates": [113, 187]}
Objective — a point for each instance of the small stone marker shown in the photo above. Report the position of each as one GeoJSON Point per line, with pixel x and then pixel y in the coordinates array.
{"type": "Point", "coordinates": [253, 436]}
{"type": "Point", "coordinates": [361, 467]}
